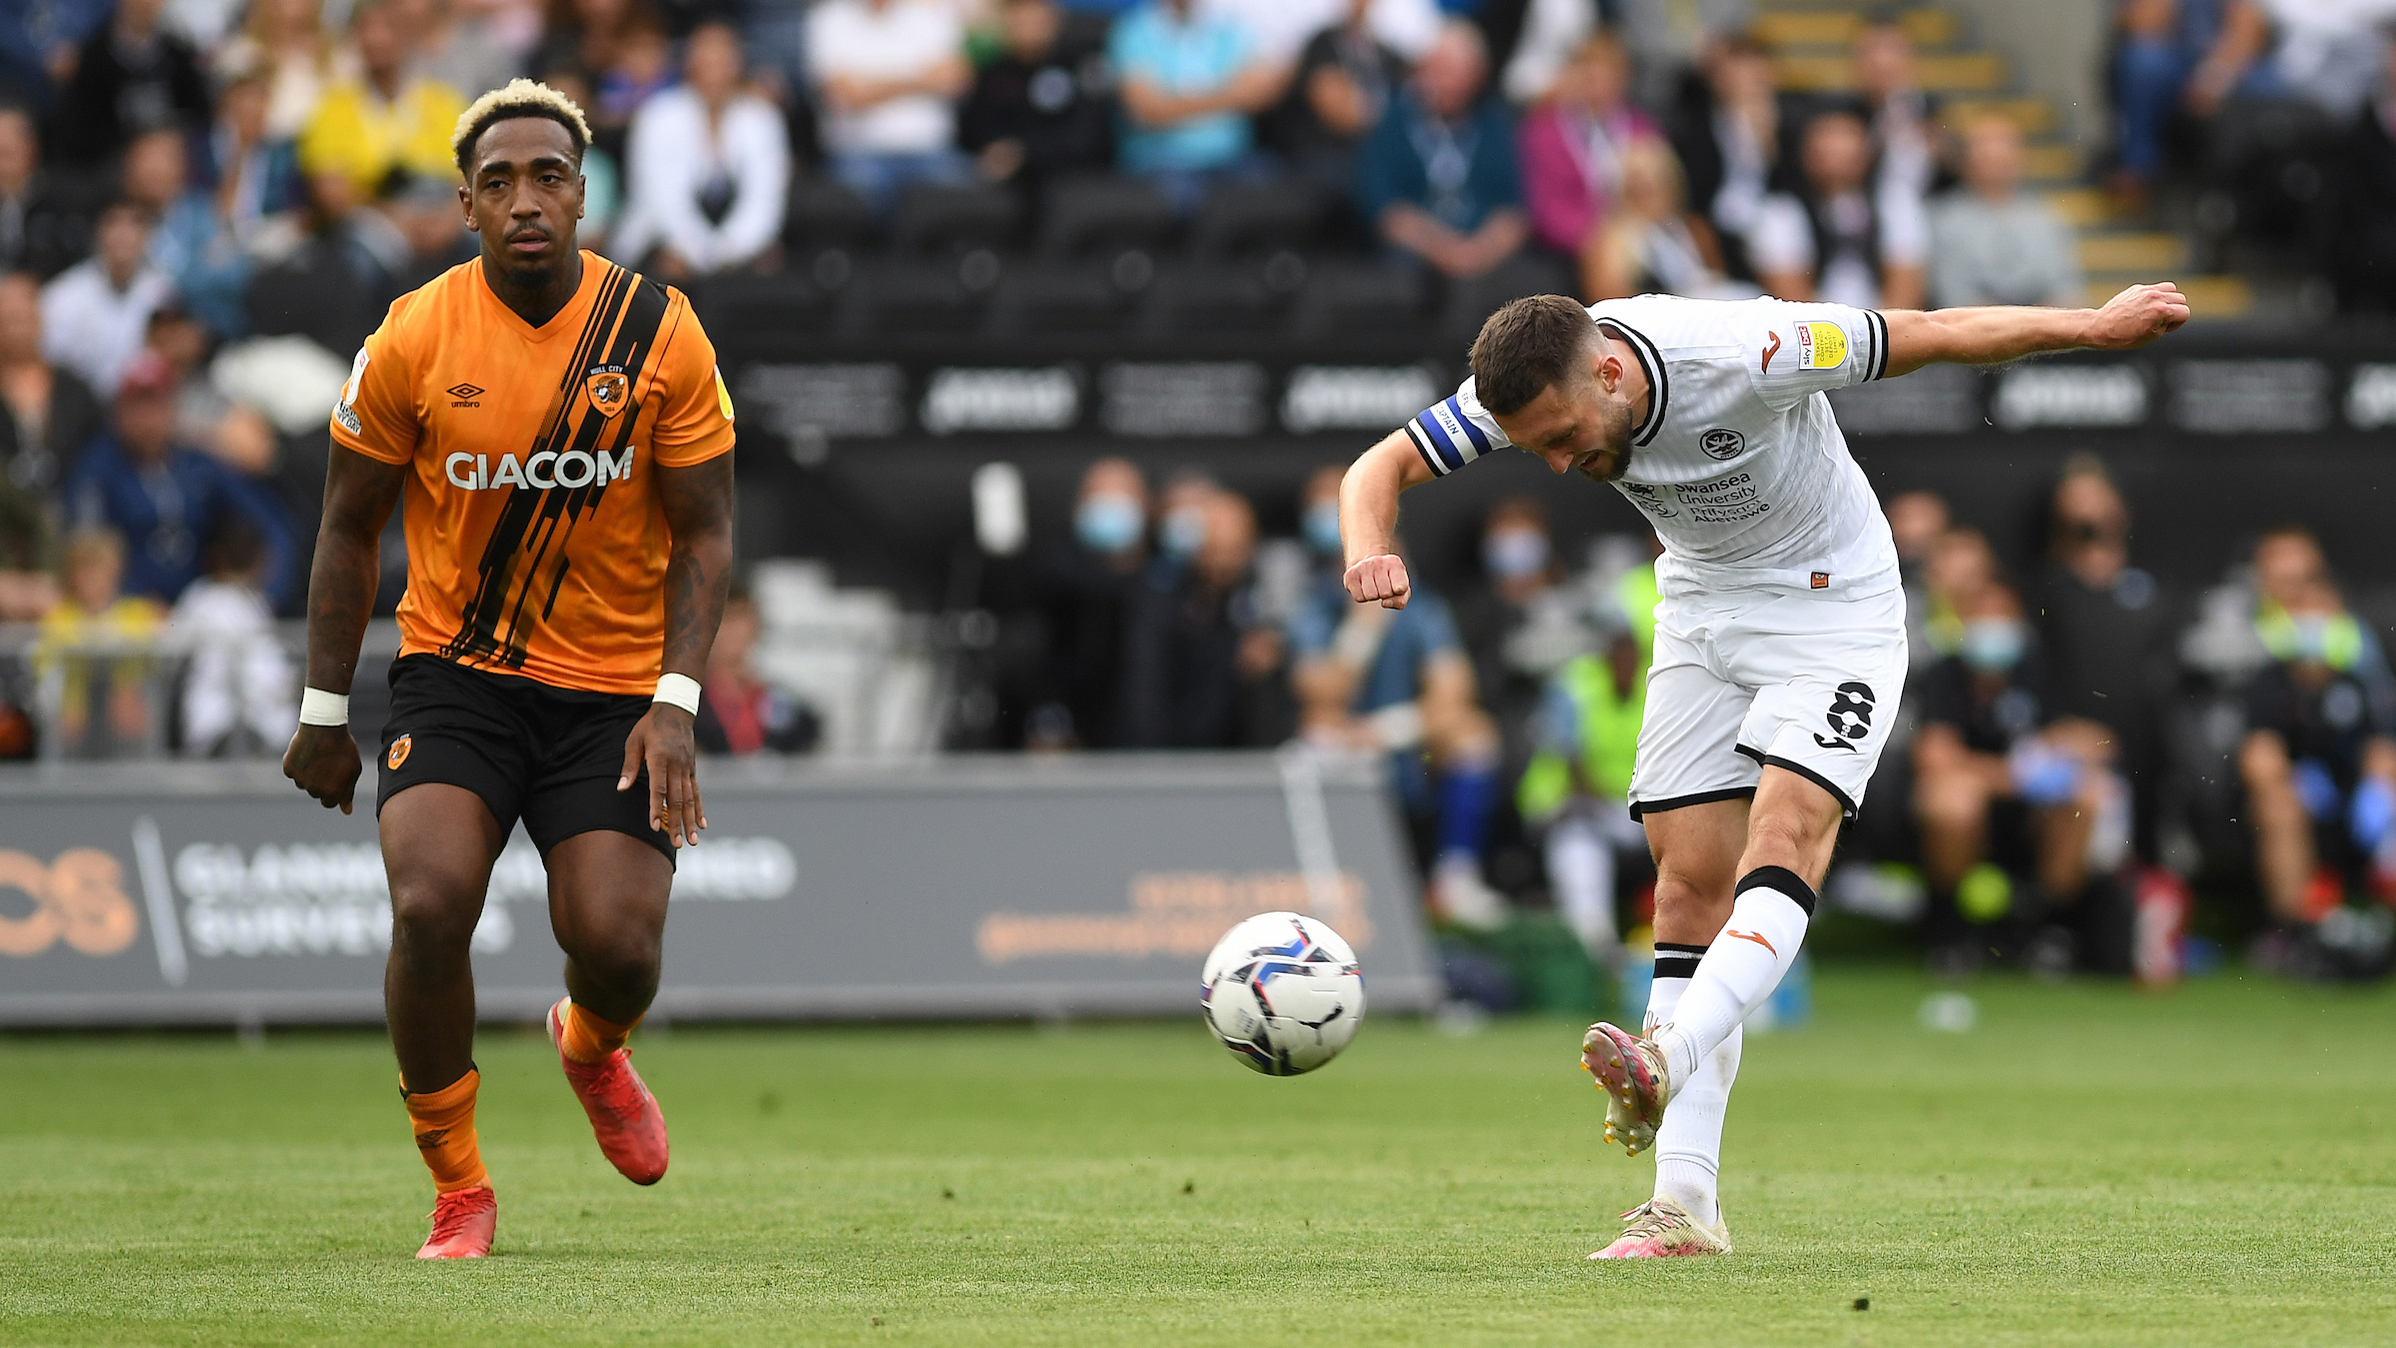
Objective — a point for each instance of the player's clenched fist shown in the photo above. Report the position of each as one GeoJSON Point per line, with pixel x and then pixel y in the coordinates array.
{"type": "Point", "coordinates": [1382, 578]}
{"type": "Point", "coordinates": [2137, 316]}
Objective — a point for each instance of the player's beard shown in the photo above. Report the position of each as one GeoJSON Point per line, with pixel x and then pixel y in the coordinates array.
{"type": "Point", "coordinates": [1614, 459]}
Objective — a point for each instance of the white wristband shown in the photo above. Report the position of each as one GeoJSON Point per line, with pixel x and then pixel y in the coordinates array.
{"type": "Point", "coordinates": [318, 707]}
{"type": "Point", "coordinates": [678, 690]}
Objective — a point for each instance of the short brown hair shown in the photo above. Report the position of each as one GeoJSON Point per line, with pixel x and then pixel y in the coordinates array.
{"type": "Point", "coordinates": [1526, 346]}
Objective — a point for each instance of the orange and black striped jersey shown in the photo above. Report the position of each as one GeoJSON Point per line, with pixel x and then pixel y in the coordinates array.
{"type": "Point", "coordinates": [537, 540]}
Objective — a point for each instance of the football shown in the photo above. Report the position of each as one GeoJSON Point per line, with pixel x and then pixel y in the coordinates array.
{"type": "Point", "coordinates": [1283, 993]}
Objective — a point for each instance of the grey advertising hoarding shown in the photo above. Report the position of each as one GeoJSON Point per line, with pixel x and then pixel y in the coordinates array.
{"type": "Point", "coordinates": [161, 893]}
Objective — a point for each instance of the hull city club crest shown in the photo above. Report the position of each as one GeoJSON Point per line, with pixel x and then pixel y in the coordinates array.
{"type": "Point", "coordinates": [607, 387]}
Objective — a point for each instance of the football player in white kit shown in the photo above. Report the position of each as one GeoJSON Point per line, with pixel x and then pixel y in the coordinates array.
{"type": "Point", "coordinates": [1780, 637]}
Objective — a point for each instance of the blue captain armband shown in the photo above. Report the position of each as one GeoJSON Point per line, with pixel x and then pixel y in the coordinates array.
{"type": "Point", "coordinates": [1447, 438]}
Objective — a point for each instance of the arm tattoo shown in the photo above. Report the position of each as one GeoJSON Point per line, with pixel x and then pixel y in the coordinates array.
{"type": "Point", "coordinates": [698, 508]}
{"type": "Point", "coordinates": [359, 494]}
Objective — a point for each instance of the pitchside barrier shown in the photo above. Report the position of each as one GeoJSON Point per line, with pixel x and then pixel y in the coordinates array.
{"type": "Point", "coordinates": [159, 893]}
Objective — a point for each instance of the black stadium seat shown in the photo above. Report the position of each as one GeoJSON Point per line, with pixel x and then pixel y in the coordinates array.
{"type": "Point", "coordinates": [823, 214]}
{"type": "Point", "coordinates": [1470, 301]}
{"type": "Point", "coordinates": [1080, 217]}
{"type": "Point", "coordinates": [915, 297]}
{"type": "Point", "coordinates": [1361, 299]}
{"type": "Point", "coordinates": [1239, 219]}
{"type": "Point", "coordinates": [1206, 299]}
{"type": "Point", "coordinates": [768, 306]}
{"type": "Point", "coordinates": [1061, 298]}
{"type": "Point", "coordinates": [941, 218]}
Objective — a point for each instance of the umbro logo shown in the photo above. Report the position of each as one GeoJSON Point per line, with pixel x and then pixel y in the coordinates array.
{"type": "Point", "coordinates": [465, 395]}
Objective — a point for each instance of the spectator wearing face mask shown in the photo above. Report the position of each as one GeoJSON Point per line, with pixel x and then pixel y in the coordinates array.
{"type": "Point", "coordinates": [1180, 525]}
{"type": "Point", "coordinates": [1318, 516]}
{"type": "Point", "coordinates": [1083, 587]}
{"type": "Point", "coordinates": [2107, 627]}
{"type": "Point", "coordinates": [2319, 759]}
{"type": "Point", "coordinates": [1519, 623]}
{"type": "Point", "coordinates": [1198, 661]}
{"type": "Point", "coordinates": [2004, 789]}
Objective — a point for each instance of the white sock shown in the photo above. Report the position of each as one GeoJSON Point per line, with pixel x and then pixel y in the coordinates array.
{"type": "Point", "coordinates": [1581, 864]}
{"type": "Point", "coordinates": [1675, 964]}
{"type": "Point", "coordinates": [1689, 1141]}
{"type": "Point", "coordinates": [1766, 927]}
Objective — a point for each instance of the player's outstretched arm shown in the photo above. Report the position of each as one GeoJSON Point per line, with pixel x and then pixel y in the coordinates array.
{"type": "Point", "coordinates": [698, 509]}
{"type": "Point", "coordinates": [359, 495]}
{"type": "Point", "coordinates": [1996, 334]}
{"type": "Point", "coordinates": [1368, 519]}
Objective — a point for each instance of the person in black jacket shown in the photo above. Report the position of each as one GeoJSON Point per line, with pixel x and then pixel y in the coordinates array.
{"type": "Point", "coordinates": [1042, 107]}
{"type": "Point", "coordinates": [1197, 661]}
{"type": "Point", "coordinates": [131, 76]}
{"type": "Point", "coordinates": [47, 414]}
{"type": "Point", "coordinates": [1344, 82]}
{"type": "Point", "coordinates": [45, 225]}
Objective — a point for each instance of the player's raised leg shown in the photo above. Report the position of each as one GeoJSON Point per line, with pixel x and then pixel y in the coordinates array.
{"type": "Point", "coordinates": [439, 842]}
{"type": "Point", "coordinates": [607, 905]}
{"type": "Point", "coordinates": [1790, 836]}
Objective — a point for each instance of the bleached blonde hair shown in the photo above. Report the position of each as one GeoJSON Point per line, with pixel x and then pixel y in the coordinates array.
{"type": "Point", "coordinates": [520, 98]}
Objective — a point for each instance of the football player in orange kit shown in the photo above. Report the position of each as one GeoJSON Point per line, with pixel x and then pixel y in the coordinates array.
{"type": "Point", "coordinates": [562, 437]}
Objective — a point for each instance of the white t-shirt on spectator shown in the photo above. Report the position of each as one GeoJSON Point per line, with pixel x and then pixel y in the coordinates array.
{"type": "Point", "coordinates": [96, 330]}
{"type": "Point", "coordinates": [2329, 51]}
{"type": "Point", "coordinates": [673, 160]}
{"type": "Point", "coordinates": [1781, 239]}
{"type": "Point", "coordinates": [893, 40]}
{"type": "Point", "coordinates": [1278, 29]}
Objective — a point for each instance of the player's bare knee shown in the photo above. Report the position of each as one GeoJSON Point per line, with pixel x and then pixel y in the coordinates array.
{"type": "Point", "coordinates": [620, 959]}
{"type": "Point", "coordinates": [432, 920]}
{"type": "Point", "coordinates": [1691, 894]}
{"type": "Point", "coordinates": [1790, 839]}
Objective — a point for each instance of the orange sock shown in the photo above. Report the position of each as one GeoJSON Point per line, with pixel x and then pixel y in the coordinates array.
{"type": "Point", "coordinates": [588, 1038]}
{"type": "Point", "coordinates": [444, 1123]}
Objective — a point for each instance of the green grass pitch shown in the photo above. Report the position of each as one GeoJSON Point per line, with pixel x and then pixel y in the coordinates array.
{"type": "Point", "coordinates": [2089, 1166]}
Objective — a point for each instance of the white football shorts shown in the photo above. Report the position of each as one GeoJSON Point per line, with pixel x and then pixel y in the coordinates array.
{"type": "Point", "coordinates": [1802, 681]}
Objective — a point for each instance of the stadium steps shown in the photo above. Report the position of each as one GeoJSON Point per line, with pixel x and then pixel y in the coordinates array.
{"type": "Point", "coordinates": [1811, 40]}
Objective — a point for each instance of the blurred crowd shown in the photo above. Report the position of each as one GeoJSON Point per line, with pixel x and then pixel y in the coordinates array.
{"type": "Point", "coordinates": [206, 204]}
{"type": "Point", "coordinates": [2083, 749]}
{"type": "Point", "coordinates": [2280, 114]}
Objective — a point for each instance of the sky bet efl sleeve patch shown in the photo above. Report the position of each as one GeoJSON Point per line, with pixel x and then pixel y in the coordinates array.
{"type": "Point", "coordinates": [1821, 346]}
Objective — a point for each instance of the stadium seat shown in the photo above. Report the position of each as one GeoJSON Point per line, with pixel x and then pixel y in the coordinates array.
{"type": "Point", "coordinates": [1081, 217]}
{"type": "Point", "coordinates": [1368, 299]}
{"type": "Point", "coordinates": [823, 214]}
{"type": "Point", "coordinates": [945, 218]}
{"type": "Point", "coordinates": [916, 297]}
{"type": "Point", "coordinates": [1204, 299]}
{"type": "Point", "coordinates": [1062, 298]}
{"type": "Point", "coordinates": [1470, 301]}
{"type": "Point", "coordinates": [1239, 219]}
{"type": "Point", "coordinates": [755, 309]}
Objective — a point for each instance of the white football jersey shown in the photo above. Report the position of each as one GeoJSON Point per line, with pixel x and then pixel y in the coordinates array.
{"type": "Point", "coordinates": [1738, 465]}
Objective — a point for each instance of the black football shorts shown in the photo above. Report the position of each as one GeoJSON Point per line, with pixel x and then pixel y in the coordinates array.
{"type": "Point", "coordinates": [548, 756]}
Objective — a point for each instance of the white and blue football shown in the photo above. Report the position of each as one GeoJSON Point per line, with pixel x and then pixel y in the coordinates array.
{"type": "Point", "coordinates": [1283, 993]}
